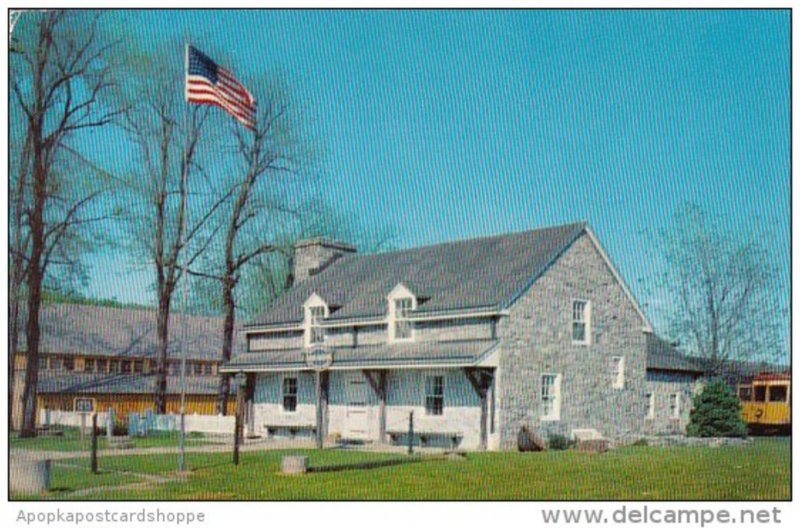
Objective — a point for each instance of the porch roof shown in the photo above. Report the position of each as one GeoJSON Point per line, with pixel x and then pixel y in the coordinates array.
{"type": "Point", "coordinates": [397, 355]}
{"type": "Point", "coordinates": [90, 383]}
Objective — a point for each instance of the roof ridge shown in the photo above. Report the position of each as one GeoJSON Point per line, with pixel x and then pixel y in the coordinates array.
{"type": "Point", "coordinates": [352, 256]}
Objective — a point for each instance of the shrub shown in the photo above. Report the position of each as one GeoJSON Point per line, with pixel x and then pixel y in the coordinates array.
{"type": "Point", "coordinates": [641, 442]}
{"type": "Point", "coordinates": [716, 412]}
{"type": "Point", "coordinates": [558, 442]}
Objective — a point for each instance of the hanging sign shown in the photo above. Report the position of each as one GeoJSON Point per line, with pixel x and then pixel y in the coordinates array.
{"type": "Point", "coordinates": [319, 358]}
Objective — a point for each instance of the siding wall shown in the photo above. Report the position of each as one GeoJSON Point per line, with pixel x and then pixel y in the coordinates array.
{"type": "Point", "coordinates": [405, 392]}
{"type": "Point", "coordinates": [425, 331]}
{"type": "Point", "coordinates": [139, 403]}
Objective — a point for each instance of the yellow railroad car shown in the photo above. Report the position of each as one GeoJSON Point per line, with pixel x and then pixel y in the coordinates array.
{"type": "Point", "coordinates": [766, 402]}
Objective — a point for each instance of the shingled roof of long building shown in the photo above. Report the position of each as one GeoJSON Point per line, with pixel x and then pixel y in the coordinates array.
{"type": "Point", "coordinates": [663, 355]}
{"type": "Point", "coordinates": [79, 329]}
{"type": "Point", "coordinates": [487, 272]}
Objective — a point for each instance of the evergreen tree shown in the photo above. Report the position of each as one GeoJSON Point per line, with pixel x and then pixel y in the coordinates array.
{"type": "Point", "coordinates": [716, 412]}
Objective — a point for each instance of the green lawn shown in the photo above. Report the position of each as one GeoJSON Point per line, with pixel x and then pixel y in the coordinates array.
{"type": "Point", "coordinates": [757, 471]}
{"type": "Point", "coordinates": [71, 441]}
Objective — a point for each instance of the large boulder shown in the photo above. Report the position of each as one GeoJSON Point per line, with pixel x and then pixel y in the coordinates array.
{"type": "Point", "coordinates": [528, 440]}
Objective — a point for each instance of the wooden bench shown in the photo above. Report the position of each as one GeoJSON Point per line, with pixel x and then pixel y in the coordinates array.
{"type": "Point", "coordinates": [424, 436]}
{"type": "Point", "coordinates": [292, 428]}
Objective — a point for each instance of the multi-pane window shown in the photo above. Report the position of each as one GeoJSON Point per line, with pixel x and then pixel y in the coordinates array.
{"type": "Point", "coordinates": [580, 322]}
{"type": "Point", "coordinates": [675, 405]}
{"type": "Point", "coordinates": [88, 365]}
{"type": "Point", "coordinates": [290, 394]}
{"type": "Point", "coordinates": [618, 372]}
{"type": "Point", "coordinates": [434, 395]}
{"type": "Point", "coordinates": [777, 393]}
{"type": "Point", "coordinates": [551, 397]}
{"type": "Point", "coordinates": [316, 334]}
{"type": "Point", "coordinates": [55, 363]}
{"type": "Point", "coordinates": [126, 367]}
{"type": "Point", "coordinates": [402, 326]}
{"type": "Point", "coordinates": [208, 369]}
{"type": "Point", "coordinates": [760, 392]}
{"type": "Point", "coordinates": [101, 365]}
{"type": "Point", "coordinates": [69, 364]}
{"type": "Point", "coordinates": [198, 369]}
{"type": "Point", "coordinates": [745, 393]}
{"type": "Point", "coordinates": [651, 405]}
{"type": "Point", "coordinates": [113, 366]}
{"type": "Point", "coordinates": [138, 367]}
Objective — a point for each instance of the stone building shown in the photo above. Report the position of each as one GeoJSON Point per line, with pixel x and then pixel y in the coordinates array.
{"type": "Point", "coordinates": [476, 337]}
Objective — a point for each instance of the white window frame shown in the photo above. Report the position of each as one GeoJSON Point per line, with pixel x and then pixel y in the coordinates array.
{"type": "Point", "coordinates": [675, 405]}
{"type": "Point", "coordinates": [555, 411]}
{"type": "Point", "coordinates": [618, 372]}
{"type": "Point", "coordinates": [651, 406]}
{"type": "Point", "coordinates": [585, 319]}
{"type": "Point", "coordinates": [315, 303]}
{"type": "Point", "coordinates": [430, 380]}
{"type": "Point", "coordinates": [400, 293]}
{"type": "Point", "coordinates": [296, 379]}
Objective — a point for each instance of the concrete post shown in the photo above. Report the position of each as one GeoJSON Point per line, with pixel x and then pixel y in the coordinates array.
{"type": "Point", "coordinates": [29, 476]}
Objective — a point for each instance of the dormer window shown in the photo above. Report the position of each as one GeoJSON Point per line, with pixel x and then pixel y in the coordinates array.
{"type": "Point", "coordinates": [402, 326]}
{"type": "Point", "coordinates": [316, 311]}
{"type": "Point", "coordinates": [401, 303]}
{"type": "Point", "coordinates": [316, 334]}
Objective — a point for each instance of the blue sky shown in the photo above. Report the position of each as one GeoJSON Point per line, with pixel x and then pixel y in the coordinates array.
{"type": "Point", "coordinates": [454, 124]}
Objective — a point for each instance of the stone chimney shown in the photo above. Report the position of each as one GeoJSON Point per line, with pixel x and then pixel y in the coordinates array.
{"type": "Point", "coordinates": [315, 254]}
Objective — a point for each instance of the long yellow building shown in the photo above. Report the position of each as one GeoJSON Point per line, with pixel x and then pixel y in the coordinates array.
{"type": "Point", "coordinates": [107, 356]}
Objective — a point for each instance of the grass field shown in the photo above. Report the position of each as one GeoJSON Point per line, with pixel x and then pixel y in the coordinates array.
{"type": "Point", "coordinates": [758, 471]}
{"type": "Point", "coordinates": [71, 441]}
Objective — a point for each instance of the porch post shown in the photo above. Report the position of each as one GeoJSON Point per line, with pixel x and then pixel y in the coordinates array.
{"type": "Point", "coordinates": [382, 408]}
{"type": "Point", "coordinates": [320, 412]}
{"type": "Point", "coordinates": [481, 380]}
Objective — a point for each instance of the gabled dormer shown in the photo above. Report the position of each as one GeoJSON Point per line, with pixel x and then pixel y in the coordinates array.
{"type": "Point", "coordinates": [316, 310]}
{"type": "Point", "coordinates": [401, 301]}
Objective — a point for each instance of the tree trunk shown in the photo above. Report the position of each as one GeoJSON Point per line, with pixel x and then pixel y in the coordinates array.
{"type": "Point", "coordinates": [35, 276]}
{"type": "Point", "coordinates": [229, 324]}
{"type": "Point", "coordinates": [162, 346]}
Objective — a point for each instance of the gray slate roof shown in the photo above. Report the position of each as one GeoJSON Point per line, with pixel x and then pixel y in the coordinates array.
{"type": "Point", "coordinates": [88, 383]}
{"type": "Point", "coordinates": [125, 332]}
{"type": "Point", "coordinates": [453, 353]}
{"type": "Point", "coordinates": [662, 355]}
{"type": "Point", "coordinates": [480, 272]}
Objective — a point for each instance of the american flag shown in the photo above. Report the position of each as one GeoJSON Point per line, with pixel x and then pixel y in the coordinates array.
{"type": "Point", "coordinates": [208, 83]}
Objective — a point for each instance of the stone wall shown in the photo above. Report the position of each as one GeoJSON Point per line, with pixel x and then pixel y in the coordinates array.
{"type": "Point", "coordinates": [663, 385]}
{"type": "Point", "coordinates": [537, 338]}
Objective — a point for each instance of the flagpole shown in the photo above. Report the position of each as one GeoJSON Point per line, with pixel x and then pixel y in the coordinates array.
{"type": "Point", "coordinates": [184, 276]}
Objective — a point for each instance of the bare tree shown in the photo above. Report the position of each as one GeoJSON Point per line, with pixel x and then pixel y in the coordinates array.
{"type": "Point", "coordinates": [61, 75]}
{"type": "Point", "coordinates": [169, 232]}
{"type": "Point", "coordinates": [726, 292]}
{"type": "Point", "coordinates": [263, 151]}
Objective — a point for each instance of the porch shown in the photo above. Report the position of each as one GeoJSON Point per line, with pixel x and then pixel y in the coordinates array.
{"type": "Point", "coordinates": [355, 399]}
